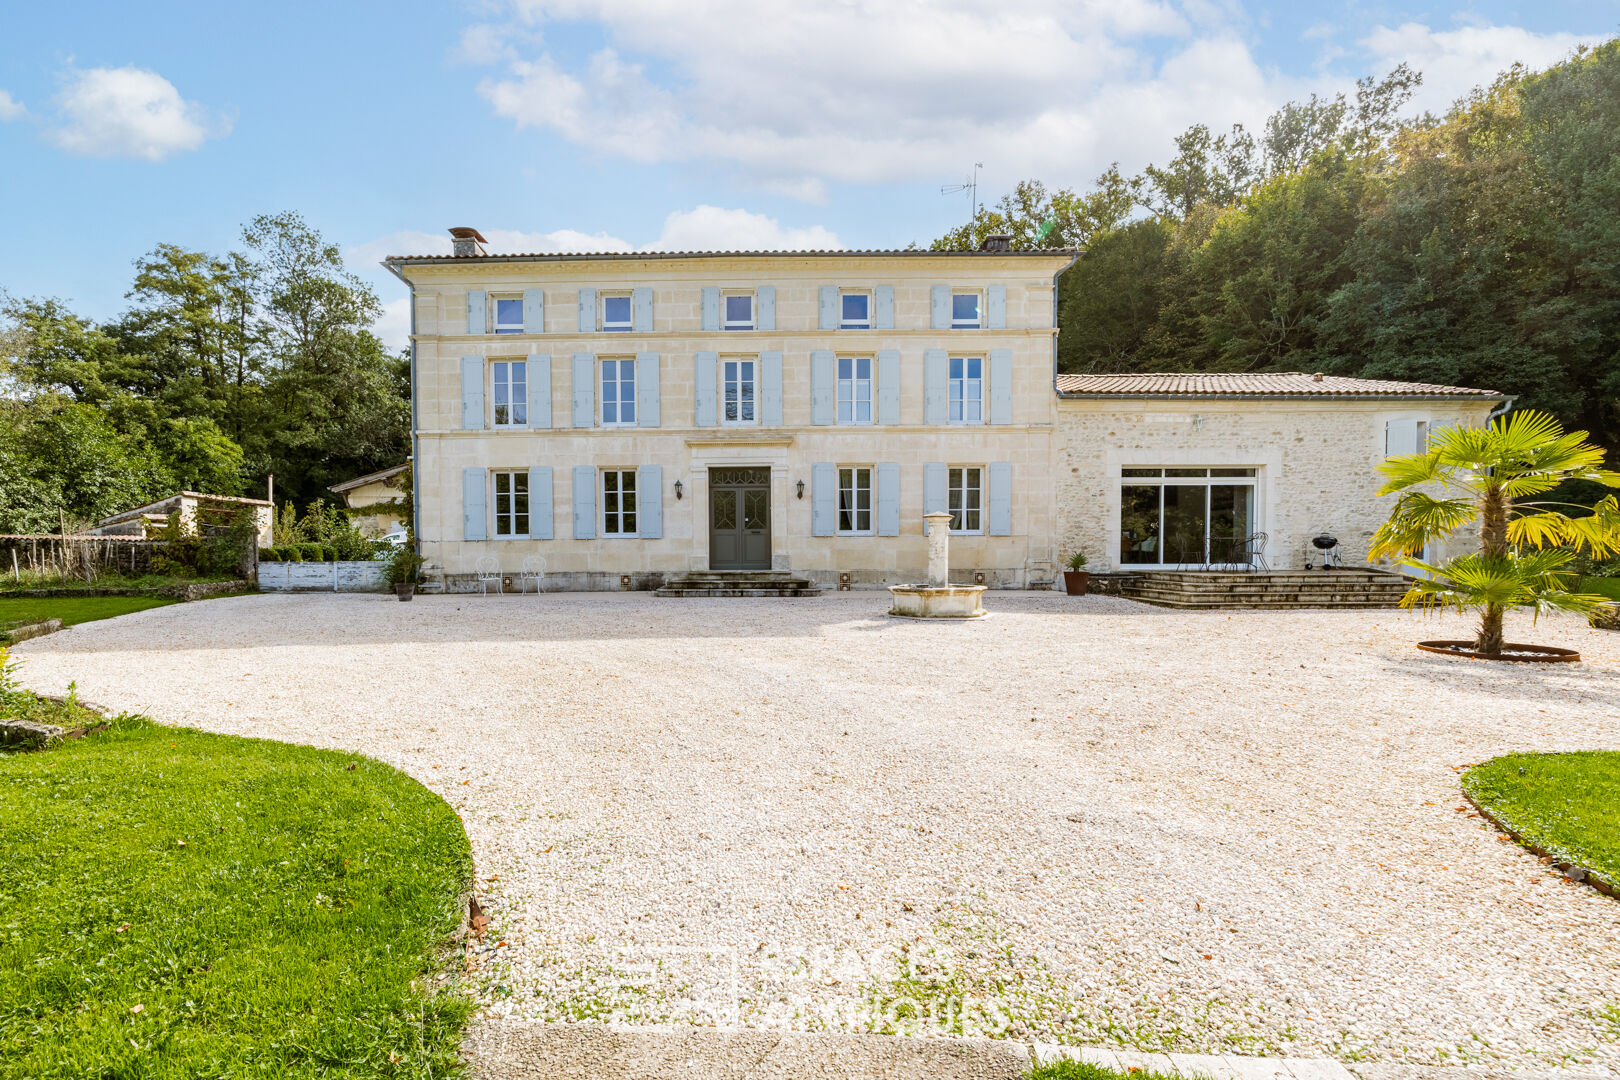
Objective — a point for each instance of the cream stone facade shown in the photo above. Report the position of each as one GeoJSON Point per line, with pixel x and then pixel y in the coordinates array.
{"type": "Point", "coordinates": [365, 492]}
{"type": "Point", "coordinates": [1310, 450]}
{"type": "Point", "coordinates": [629, 419]}
{"type": "Point", "coordinates": [854, 432]}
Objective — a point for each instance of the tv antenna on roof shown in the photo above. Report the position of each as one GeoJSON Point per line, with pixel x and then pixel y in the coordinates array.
{"type": "Point", "coordinates": [971, 186]}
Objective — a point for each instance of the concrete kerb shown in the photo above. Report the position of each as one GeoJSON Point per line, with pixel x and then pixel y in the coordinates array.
{"type": "Point", "coordinates": [532, 1050]}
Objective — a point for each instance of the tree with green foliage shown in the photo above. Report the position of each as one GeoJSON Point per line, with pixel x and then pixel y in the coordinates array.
{"type": "Point", "coordinates": [1489, 477]}
{"type": "Point", "coordinates": [1037, 218]}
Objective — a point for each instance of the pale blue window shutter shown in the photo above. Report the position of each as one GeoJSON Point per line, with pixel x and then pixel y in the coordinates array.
{"type": "Point", "coordinates": [584, 502]}
{"type": "Point", "coordinates": [888, 386]}
{"type": "Point", "coordinates": [770, 388]}
{"type": "Point", "coordinates": [883, 301]}
{"type": "Point", "coordinates": [1400, 438]}
{"type": "Point", "coordinates": [587, 311]}
{"type": "Point", "coordinates": [888, 498]}
{"type": "Point", "coordinates": [1001, 386]}
{"type": "Point", "coordinates": [823, 386]}
{"type": "Point", "coordinates": [765, 301]}
{"type": "Point", "coordinates": [936, 494]}
{"type": "Point", "coordinates": [473, 505]}
{"type": "Point", "coordinates": [999, 498]}
{"type": "Point", "coordinates": [584, 412]}
{"type": "Point", "coordinates": [539, 376]}
{"type": "Point", "coordinates": [534, 311]}
{"type": "Point", "coordinates": [641, 301]}
{"type": "Point", "coordinates": [540, 503]}
{"type": "Point", "coordinates": [939, 307]}
{"type": "Point", "coordinates": [829, 307]}
{"type": "Point", "coordinates": [936, 386]}
{"type": "Point", "coordinates": [996, 303]}
{"type": "Point", "coordinates": [650, 502]}
{"type": "Point", "coordinates": [472, 393]}
{"type": "Point", "coordinates": [823, 498]}
{"type": "Point", "coordinates": [705, 398]}
{"type": "Point", "coordinates": [647, 390]}
{"type": "Point", "coordinates": [477, 310]}
{"type": "Point", "coordinates": [711, 307]}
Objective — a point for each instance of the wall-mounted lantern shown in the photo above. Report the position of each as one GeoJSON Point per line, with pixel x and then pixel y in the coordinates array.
{"type": "Point", "coordinates": [678, 490]}
{"type": "Point", "coordinates": [801, 489]}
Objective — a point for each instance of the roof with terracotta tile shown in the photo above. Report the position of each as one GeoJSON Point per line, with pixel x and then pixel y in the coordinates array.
{"type": "Point", "coordinates": [1255, 385]}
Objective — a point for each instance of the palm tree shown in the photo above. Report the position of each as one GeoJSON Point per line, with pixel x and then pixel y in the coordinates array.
{"type": "Point", "coordinates": [1525, 548]}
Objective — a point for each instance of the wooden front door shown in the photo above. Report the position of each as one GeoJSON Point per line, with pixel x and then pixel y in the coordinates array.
{"type": "Point", "coordinates": [739, 519]}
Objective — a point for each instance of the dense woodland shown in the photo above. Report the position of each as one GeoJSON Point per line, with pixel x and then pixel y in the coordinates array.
{"type": "Point", "coordinates": [224, 368]}
{"type": "Point", "coordinates": [1478, 249]}
{"type": "Point", "coordinates": [1481, 248]}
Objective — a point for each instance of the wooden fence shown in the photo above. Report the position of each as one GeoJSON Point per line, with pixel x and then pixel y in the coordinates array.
{"type": "Point", "coordinates": [77, 556]}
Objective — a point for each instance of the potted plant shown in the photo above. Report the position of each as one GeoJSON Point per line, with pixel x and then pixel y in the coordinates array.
{"type": "Point", "coordinates": [1075, 576]}
{"type": "Point", "coordinates": [404, 571]}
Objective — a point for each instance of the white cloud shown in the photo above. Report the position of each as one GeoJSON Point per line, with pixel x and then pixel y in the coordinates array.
{"type": "Point", "coordinates": [1453, 62]}
{"type": "Point", "coordinates": [394, 328]}
{"type": "Point", "coordinates": [797, 95]}
{"type": "Point", "coordinates": [10, 107]}
{"type": "Point", "coordinates": [710, 228]}
{"type": "Point", "coordinates": [130, 112]}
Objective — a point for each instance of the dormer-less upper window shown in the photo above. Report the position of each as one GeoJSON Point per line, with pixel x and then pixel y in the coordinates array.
{"type": "Point", "coordinates": [509, 316]}
{"type": "Point", "coordinates": [616, 314]}
{"type": "Point", "coordinates": [965, 311]}
{"type": "Point", "coordinates": [855, 311]}
{"type": "Point", "coordinates": [739, 311]}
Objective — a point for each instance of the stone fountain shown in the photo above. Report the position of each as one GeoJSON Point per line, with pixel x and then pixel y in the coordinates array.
{"type": "Point", "coordinates": [938, 599]}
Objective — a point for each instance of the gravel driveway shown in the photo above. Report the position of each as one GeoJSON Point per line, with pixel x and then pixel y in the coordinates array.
{"type": "Point", "coordinates": [1087, 820]}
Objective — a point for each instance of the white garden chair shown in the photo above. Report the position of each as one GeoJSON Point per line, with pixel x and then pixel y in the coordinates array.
{"type": "Point", "coordinates": [534, 569]}
{"type": "Point", "coordinates": [489, 570]}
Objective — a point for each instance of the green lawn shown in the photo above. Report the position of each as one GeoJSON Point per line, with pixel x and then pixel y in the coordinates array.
{"type": "Point", "coordinates": [1603, 586]}
{"type": "Point", "coordinates": [1566, 803]}
{"type": "Point", "coordinates": [72, 609]}
{"type": "Point", "coordinates": [179, 904]}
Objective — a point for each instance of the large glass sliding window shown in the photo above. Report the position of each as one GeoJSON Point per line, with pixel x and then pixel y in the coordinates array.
{"type": "Point", "coordinates": [1186, 517]}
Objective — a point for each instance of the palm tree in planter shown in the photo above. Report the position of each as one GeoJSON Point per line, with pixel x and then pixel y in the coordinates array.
{"type": "Point", "coordinates": [1491, 475]}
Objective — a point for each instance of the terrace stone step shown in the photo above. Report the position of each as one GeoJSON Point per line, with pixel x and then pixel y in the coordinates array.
{"type": "Point", "coordinates": [1360, 589]}
{"type": "Point", "coordinates": [740, 583]}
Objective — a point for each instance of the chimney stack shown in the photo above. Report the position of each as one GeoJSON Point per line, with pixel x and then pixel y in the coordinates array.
{"type": "Point", "coordinates": [999, 242]}
{"type": "Point", "coordinates": [465, 241]}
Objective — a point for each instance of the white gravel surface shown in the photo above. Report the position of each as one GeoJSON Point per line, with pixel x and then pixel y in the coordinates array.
{"type": "Point", "coordinates": [1079, 820]}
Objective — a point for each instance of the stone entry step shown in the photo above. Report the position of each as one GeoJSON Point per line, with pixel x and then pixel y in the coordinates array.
{"type": "Point", "coordinates": [1194, 590]}
{"type": "Point", "coordinates": [740, 583]}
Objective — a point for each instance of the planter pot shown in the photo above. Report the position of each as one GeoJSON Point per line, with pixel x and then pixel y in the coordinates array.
{"type": "Point", "coordinates": [405, 589]}
{"type": "Point", "coordinates": [1532, 654]}
{"type": "Point", "coordinates": [1075, 582]}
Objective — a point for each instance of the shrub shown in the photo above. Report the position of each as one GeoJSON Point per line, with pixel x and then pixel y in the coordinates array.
{"type": "Point", "coordinates": [268, 554]}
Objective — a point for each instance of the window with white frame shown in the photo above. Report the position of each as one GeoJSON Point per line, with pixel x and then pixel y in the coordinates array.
{"type": "Point", "coordinates": [616, 313]}
{"type": "Point", "coordinates": [618, 502]}
{"type": "Point", "coordinates": [966, 498]}
{"type": "Point", "coordinates": [1394, 444]}
{"type": "Point", "coordinates": [855, 311]}
{"type": "Point", "coordinates": [739, 311]}
{"type": "Point", "coordinates": [508, 316]}
{"type": "Point", "coordinates": [855, 500]}
{"type": "Point", "coordinates": [509, 392]}
{"type": "Point", "coordinates": [512, 503]}
{"type": "Point", "coordinates": [965, 308]}
{"type": "Point", "coordinates": [618, 392]}
{"type": "Point", "coordinates": [854, 389]}
{"type": "Point", "coordinates": [967, 390]}
{"type": "Point", "coordinates": [1184, 517]}
{"type": "Point", "coordinates": [737, 380]}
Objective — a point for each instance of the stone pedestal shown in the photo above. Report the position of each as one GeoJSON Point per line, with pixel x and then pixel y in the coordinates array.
{"type": "Point", "coordinates": [939, 549]}
{"type": "Point", "coordinates": [938, 599]}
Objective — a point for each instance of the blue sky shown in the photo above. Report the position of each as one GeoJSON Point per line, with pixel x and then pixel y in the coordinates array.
{"type": "Point", "coordinates": [573, 124]}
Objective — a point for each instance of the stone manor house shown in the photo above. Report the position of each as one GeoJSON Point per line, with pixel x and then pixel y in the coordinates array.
{"type": "Point", "coordinates": [632, 418]}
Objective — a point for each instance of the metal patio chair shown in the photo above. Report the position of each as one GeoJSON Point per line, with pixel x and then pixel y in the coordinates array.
{"type": "Point", "coordinates": [534, 569]}
{"type": "Point", "coordinates": [489, 570]}
{"type": "Point", "coordinates": [1253, 551]}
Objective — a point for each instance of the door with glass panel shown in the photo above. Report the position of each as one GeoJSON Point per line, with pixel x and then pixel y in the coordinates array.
{"type": "Point", "coordinates": [739, 519]}
{"type": "Point", "coordinates": [1186, 518]}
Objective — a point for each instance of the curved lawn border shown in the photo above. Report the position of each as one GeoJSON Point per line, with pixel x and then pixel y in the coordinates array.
{"type": "Point", "coordinates": [1570, 869]}
{"type": "Point", "coordinates": [174, 902]}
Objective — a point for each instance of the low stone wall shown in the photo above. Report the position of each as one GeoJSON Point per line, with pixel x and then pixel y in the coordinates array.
{"type": "Point", "coordinates": [29, 630]}
{"type": "Point", "coordinates": [355, 576]}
